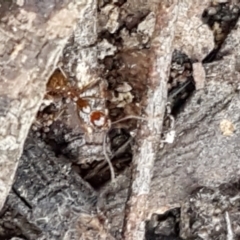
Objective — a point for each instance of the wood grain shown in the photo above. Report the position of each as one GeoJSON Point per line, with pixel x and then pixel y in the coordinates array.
{"type": "Point", "coordinates": [149, 132]}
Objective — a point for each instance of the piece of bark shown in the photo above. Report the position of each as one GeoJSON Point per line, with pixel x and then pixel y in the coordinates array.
{"type": "Point", "coordinates": [192, 36]}
{"type": "Point", "coordinates": [201, 155]}
{"type": "Point", "coordinates": [149, 133]}
{"type": "Point", "coordinates": [49, 200]}
{"type": "Point", "coordinates": [33, 35]}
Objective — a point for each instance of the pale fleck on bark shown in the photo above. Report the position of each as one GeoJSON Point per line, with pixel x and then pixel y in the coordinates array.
{"type": "Point", "coordinates": [149, 132]}
{"type": "Point", "coordinates": [199, 75]}
{"type": "Point", "coordinates": [32, 36]}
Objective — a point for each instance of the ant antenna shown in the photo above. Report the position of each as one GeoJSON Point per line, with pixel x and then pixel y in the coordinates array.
{"type": "Point", "coordinates": [200, 25]}
{"type": "Point", "coordinates": [62, 71]}
{"type": "Point", "coordinates": [130, 117]}
{"type": "Point", "coordinates": [105, 140]}
{"type": "Point", "coordinates": [107, 157]}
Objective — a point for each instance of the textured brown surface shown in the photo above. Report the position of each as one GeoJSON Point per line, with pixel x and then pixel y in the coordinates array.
{"type": "Point", "coordinates": [201, 153]}
{"type": "Point", "coordinates": [118, 59]}
{"type": "Point", "coordinates": [32, 37]}
{"type": "Point", "coordinates": [191, 36]}
{"type": "Point", "coordinates": [47, 195]}
{"type": "Point", "coordinates": [92, 54]}
{"type": "Point", "coordinates": [149, 133]}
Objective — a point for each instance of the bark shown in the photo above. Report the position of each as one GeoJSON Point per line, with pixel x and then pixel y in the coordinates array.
{"type": "Point", "coordinates": [197, 157]}
{"type": "Point", "coordinates": [33, 34]}
{"type": "Point", "coordinates": [198, 126]}
{"type": "Point", "coordinates": [118, 61]}
{"type": "Point", "coordinates": [45, 186]}
{"type": "Point", "coordinates": [192, 36]}
{"type": "Point", "coordinates": [149, 132]}
{"type": "Point", "coordinates": [80, 63]}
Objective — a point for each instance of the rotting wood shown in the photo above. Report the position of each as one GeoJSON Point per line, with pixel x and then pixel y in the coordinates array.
{"type": "Point", "coordinates": [33, 35]}
{"type": "Point", "coordinates": [149, 133]}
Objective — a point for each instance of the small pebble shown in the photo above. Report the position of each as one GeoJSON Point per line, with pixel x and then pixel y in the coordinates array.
{"type": "Point", "coordinates": [46, 129]}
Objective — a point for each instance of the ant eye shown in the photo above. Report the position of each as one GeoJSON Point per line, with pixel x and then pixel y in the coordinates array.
{"type": "Point", "coordinates": [98, 118]}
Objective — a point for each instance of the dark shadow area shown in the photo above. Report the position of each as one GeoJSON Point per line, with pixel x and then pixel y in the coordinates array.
{"type": "Point", "coordinates": [163, 226]}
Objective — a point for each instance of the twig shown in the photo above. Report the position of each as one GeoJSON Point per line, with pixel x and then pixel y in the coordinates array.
{"type": "Point", "coordinates": [107, 157]}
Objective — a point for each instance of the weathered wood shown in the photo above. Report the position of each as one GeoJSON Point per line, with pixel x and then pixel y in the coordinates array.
{"type": "Point", "coordinates": [198, 156]}
{"type": "Point", "coordinates": [48, 198]}
{"type": "Point", "coordinates": [205, 151]}
{"type": "Point", "coordinates": [192, 159]}
{"type": "Point", "coordinates": [131, 55]}
{"type": "Point", "coordinates": [192, 36]}
{"type": "Point", "coordinates": [149, 133]}
{"type": "Point", "coordinates": [32, 34]}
